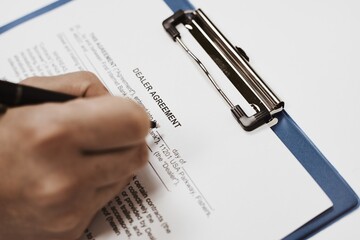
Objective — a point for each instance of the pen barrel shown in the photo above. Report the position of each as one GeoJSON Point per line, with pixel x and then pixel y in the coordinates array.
{"type": "Point", "coordinates": [37, 96]}
{"type": "Point", "coordinates": [14, 95]}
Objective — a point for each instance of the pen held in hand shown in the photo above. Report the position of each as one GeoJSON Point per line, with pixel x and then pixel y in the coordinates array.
{"type": "Point", "coordinates": [16, 95]}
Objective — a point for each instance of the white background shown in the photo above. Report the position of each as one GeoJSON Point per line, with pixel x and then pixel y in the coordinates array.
{"type": "Point", "coordinates": [308, 51]}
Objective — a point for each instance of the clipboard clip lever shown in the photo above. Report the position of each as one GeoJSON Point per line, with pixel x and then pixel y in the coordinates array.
{"type": "Point", "coordinates": [233, 62]}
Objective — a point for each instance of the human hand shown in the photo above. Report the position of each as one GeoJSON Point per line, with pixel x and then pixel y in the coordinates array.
{"type": "Point", "coordinates": [60, 163]}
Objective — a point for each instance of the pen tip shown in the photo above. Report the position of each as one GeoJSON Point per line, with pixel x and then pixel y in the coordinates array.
{"type": "Point", "coordinates": [154, 124]}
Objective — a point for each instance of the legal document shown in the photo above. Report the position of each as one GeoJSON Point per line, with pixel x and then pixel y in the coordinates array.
{"type": "Point", "coordinates": [206, 177]}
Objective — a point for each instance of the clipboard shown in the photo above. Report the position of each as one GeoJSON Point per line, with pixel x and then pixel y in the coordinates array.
{"type": "Point", "coordinates": [342, 196]}
{"type": "Point", "coordinates": [340, 193]}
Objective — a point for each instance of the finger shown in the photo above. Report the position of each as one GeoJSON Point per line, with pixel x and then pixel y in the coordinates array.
{"type": "Point", "coordinates": [82, 84]}
{"type": "Point", "coordinates": [106, 169]}
{"type": "Point", "coordinates": [103, 123]}
{"type": "Point", "coordinates": [107, 193]}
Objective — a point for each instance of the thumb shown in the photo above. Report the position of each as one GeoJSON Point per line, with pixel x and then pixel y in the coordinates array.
{"type": "Point", "coordinates": [81, 84]}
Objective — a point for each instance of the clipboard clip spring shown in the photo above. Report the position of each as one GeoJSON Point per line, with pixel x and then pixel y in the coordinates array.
{"type": "Point", "coordinates": [233, 62]}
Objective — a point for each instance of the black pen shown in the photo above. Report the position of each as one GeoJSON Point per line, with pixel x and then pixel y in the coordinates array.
{"type": "Point", "coordinates": [15, 95]}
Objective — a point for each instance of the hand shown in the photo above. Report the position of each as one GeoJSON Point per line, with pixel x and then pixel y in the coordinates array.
{"type": "Point", "coordinates": [60, 163]}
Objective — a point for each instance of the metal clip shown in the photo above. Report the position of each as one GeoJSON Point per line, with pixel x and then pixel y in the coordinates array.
{"type": "Point", "coordinates": [233, 62]}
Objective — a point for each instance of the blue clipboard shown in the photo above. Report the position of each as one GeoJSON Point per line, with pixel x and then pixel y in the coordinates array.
{"type": "Point", "coordinates": [340, 193]}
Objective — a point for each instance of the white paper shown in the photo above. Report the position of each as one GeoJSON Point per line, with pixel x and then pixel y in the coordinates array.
{"type": "Point", "coordinates": [206, 178]}
{"type": "Point", "coordinates": [14, 9]}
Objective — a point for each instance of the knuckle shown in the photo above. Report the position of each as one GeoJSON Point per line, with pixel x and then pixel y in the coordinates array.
{"type": "Point", "coordinates": [47, 134]}
{"type": "Point", "coordinates": [88, 76]}
{"type": "Point", "coordinates": [53, 190]}
{"type": "Point", "coordinates": [69, 225]}
{"type": "Point", "coordinates": [91, 85]}
{"type": "Point", "coordinates": [74, 234]}
{"type": "Point", "coordinates": [49, 122]}
{"type": "Point", "coordinates": [39, 125]}
{"type": "Point", "coordinates": [138, 119]}
{"type": "Point", "coordinates": [143, 155]}
{"type": "Point", "coordinates": [44, 128]}
{"type": "Point", "coordinates": [140, 158]}
{"type": "Point", "coordinates": [88, 79]}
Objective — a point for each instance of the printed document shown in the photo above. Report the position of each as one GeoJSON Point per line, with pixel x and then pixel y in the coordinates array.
{"type": "Point", "coordinates": [206, 178]}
